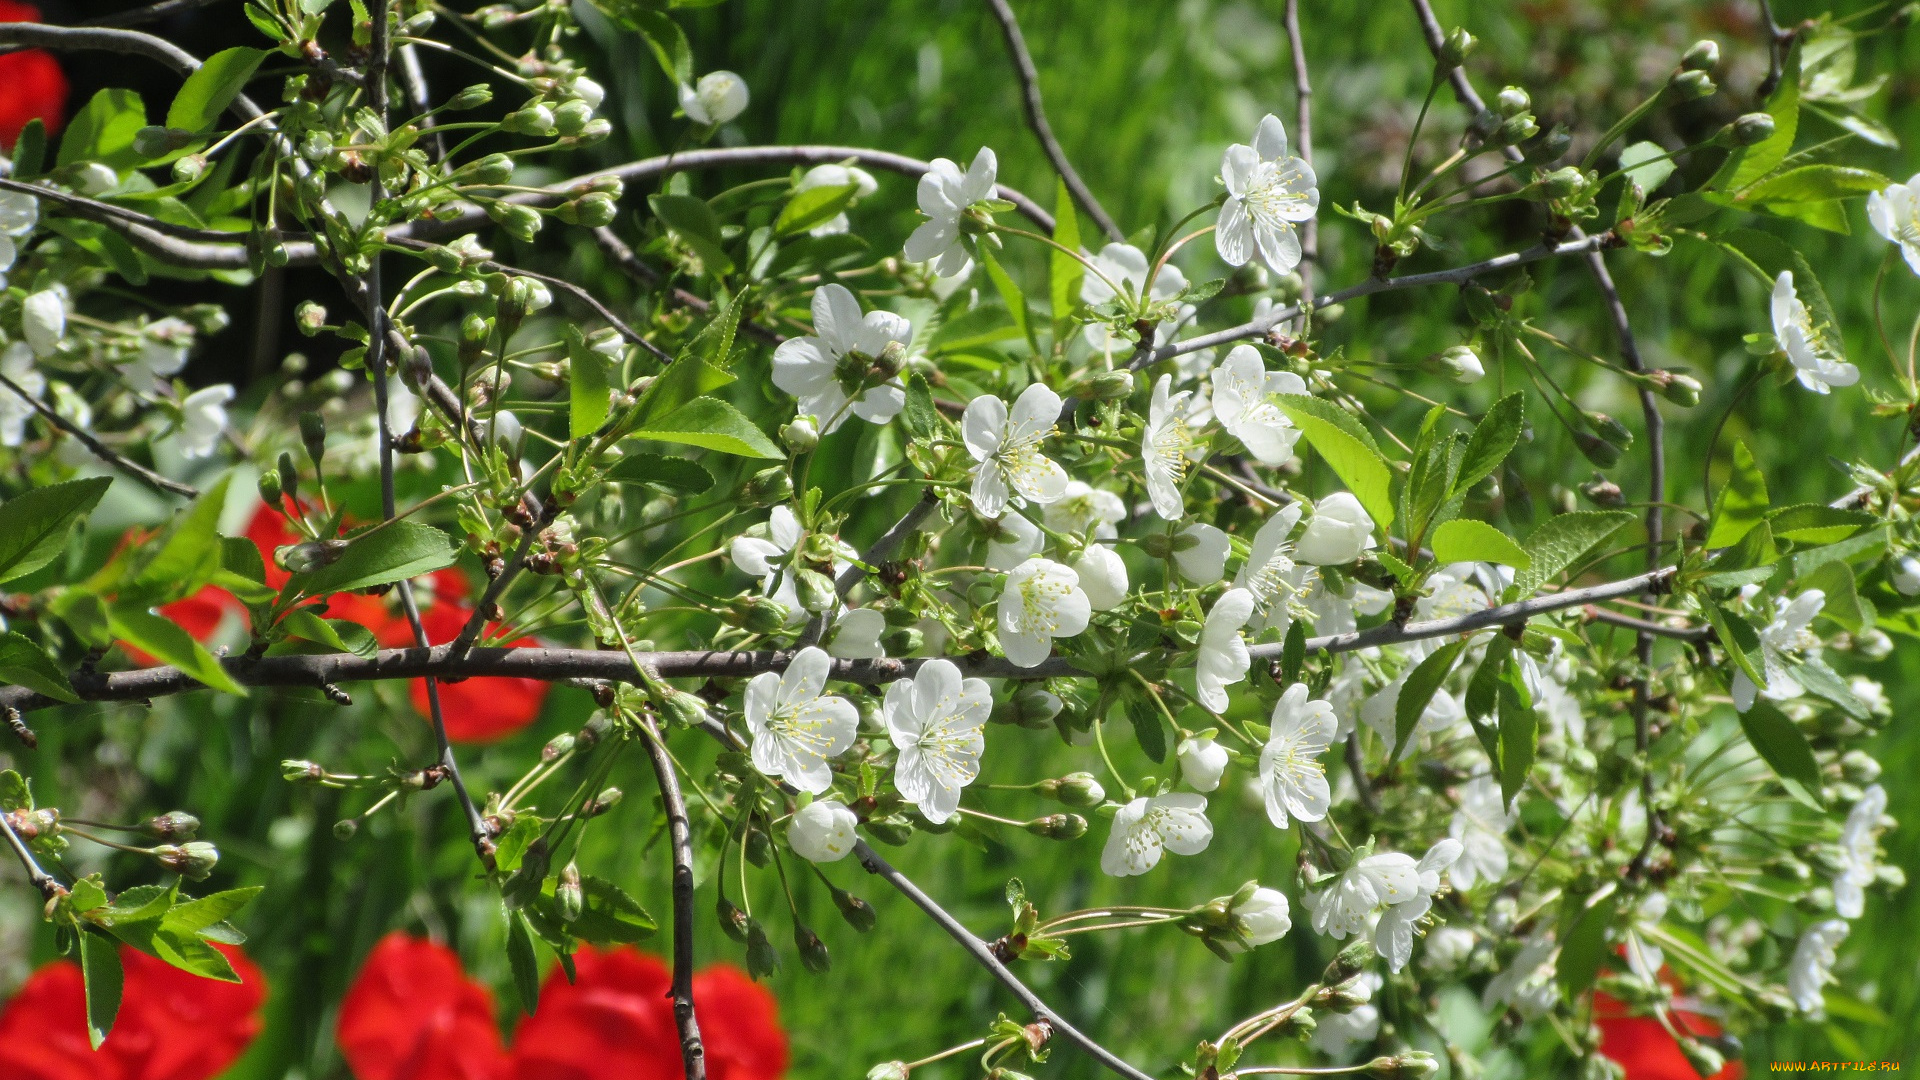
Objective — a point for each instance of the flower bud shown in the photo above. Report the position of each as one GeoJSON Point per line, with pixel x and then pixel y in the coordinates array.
{"type": "Point", "coordinates": [1518, 129]}
{"type": "Point", "coordinates": [313, 435]}
{"type": "Point", "coordinates": [572, 118]}
{"type": "Point", "coordinates": [558, 747]}
{"type": "Point", "coordinates": [1692, 85]}
{"type": "Point", "coordinates": [762, 960]}
{"type": "Point", "coordinates": [756, 614]}
{"type": "Point", "coordinates": [1460, 363]}
{"type": "Point", "coordinates": [1030, 706]}
{"type": "Point", "coordinates": [194, 861]}
{"type": "Point", "coordinates": [1058, 826]}
{"type": "Point", "coordinates": [533, 120]}
{"type": "Point", "coordinates": [1080, 789]}
{"type": "Point", "coordinates": [188, 169]}
{"type": "Point", "coordinates": [270, 491]}
{"type": "Point", "coordinates": [173, 825]}
{"type": "Point", "coordinates": [888, 1070]}
{"type": "Point", "coordinates": [309, 317]}
{"type": "Point", "coordinates": [1410, 1065]}
{"type": "Point", "coordinates": [289, 476]}
{"type": "Point", "coordinates": [801, 435]}
{"type": "Point", "coordinates": [890, 831]}
{"type": "Point", "coordinates": [521, 222]}
{"type": "Point", "coordinates": [682, 709]}
{"type": "Point", "coordinates": [1458, 46]}
{"type": "Point", "coordinates": [1563, 183]}
{"type": "Point", "coordinates": [345, 829]}
{"type": "Point", "coordinates": [1550, 147]}
{"type": "Point", "coordinates": [1512, 101]}
{"type": "Point", "coordinates": [591, 210]}
{"type": "Point", "coordinates": [1904, 575]}
{"type": "Point", "coordinates": [295, 771]}
{"type": "Point", "coordinates": [1110, 386]}
{"type": "Point", "coordinates": [1703, 56]}
{"type": "Point", "coordinates": [902, 641]}
{"type": "Point", "coordinates": [308, 555]}
{"type": "Point", "coordinates": [596, 130]}
{"type": "Point", "coordinates": [471, 97]}
{"type": "Point", "coordinates": [733, 921]}
{"type": "Point", "coordinates": [1705, 1059]}
{"type": "Point", "coordinates": [156, 142]}
{"type": "Point", "coordinates": [766, 487]}
{"type": "Point", "coordinates": [813, 951]}
{"type": "Point", "coordinates": [1603, 492]}
{"type": "Point", "coordinates": [858, 913]}
{"type": "Point", "coordinates": [569, 899]}
{"type": "Point", "coordinates": [490, 170]}
{"type": "Point", "coordinates": [1481, 127]}
{"type": "Point", "coordinates": [418, 24]}
{"type": "Point", "coordinates": [1752, 128]}
{"type": "Point", "coordinates": [1351, 961]}
{"type": "Point", "coordinates": [1602, 453]}
{"type": "Point", "coordinates": [816, 590]}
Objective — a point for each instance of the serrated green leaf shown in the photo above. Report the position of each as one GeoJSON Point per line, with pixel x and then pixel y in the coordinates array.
{"type": "Point", "coordinates": [1355, 460]}
{"type": "Point", "coordinates": [1742, 503]}
{"type": "Point", "coordinates": [208, 91]}
{"type": "Point", "coordinates": [1519, 731]}
{"type": "Point", "coordinates": [23, 663]}
{"type": "Point", "coordinates": [1646, 164]}
{"type": "Point", "coordinates": [1816, 523]}
{"type": "Point", "coordinates": [712, 424]}
{"type": "Point", "coordinates": [1816, 678]}
{"type": "Point", "coordinates": [1465, 540]}
{"type": "Point", "coordinates": [189, 953]}
{"type": "Point", "coordinates": [104, 129]}
{"type": "Point", "coordinates": [335, 634]}
{"type": "Point", "coordinates": [660, 471]}
{"type": "Point", "coordinates": [1584, 947]}
{"type": "Point", "coordinates": [1755, 162]}
{"type": "Point", "coordinates": [1782, 746]}
{"type": "Point", "coordinates": [512, 845]}
{"type": "Point", "coordinates": [392, 552]}
{"type": "Point", "coordinates": [1738, 638]}
{"type": "Point", "coordinates": [714, 342]}
{"type": "Point", "coordinates": [521, 959]}
{"type": "Point", "coordinates": [920, 416]}
{"type": "Point", "coordinates": [1064, 272]}
{"type": "Point", "coordinates": [1754, 550]}
{"type": "Point", "coordinates": [1147, 727]}
{"type": "Point", "coordinates": [164, 640]}
{"type": "Point", "coordinates": [100, 967]}
{"type": "Point", "coordinates": [1416, 693]}
{"type": "Point", "coordinates": [693, 221]}
{"type": "Point", "coordinates": [193, 916]}
{"type": "Point", "coordinates": [34, 523]}
{"type": "Point", "coordinates": [609, 916]}
{"type": "Point", "coordinates": [1010, 295]}
{"type": "Point", "coordinates": [193, 549]}
{"type": "Point", "coordinates": [589, 390]}
{"type": "Point", "coordinates": [1843, 604]}
{"type": "Point", "coordinates": [813, 207]}
{"type": "Point", "coordinates": [1561, 541]}
{"type": "Point", "coordinates": [1492, 440]}
{"type": "Point", "coordinates": [1814, 183]}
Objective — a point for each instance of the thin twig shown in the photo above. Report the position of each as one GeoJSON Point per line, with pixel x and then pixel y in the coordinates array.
{"type": "Point", "coordinates": [630, 263]}
{"type": "Point", "coordinates": [152, 13]}
{"type": "Point", "coordinates": [1303, 141]}
{"type": "Point", "coordinates": [36, 877]}
{"type": "Point", "coordinates": [1029, 78]}
{"type": "Point", "coordinates": [873, 556]}
{"type": "Point", "coordinates": [680, 835]}
{"type": "Point", "coordinates": [102, 450]}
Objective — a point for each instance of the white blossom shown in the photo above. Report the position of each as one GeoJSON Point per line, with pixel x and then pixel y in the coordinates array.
{"type": "Point", "coordinates": [1083, 506]}
{"type": "Point", "coordinates": [1222, 659]}
{"type": "Point", "coordinates": [504, 429]}
{"type": "Point", "coordinates": [19, 213]}
{"type": "Point", "coordinates": [1812, 349]}
{"type": "Point", "coordinates": [1263, 917]}
{"type": "Point", "coordinates": [1338, 532]}
{"type": "Point", "coordinates": [43, 320]}
{"type": "Point", "coordinates": [1448, 947]}
{"type": "Point", "coordinates": [1202, 762]}
{"type": "Point", "coordinates": [1293, 783]}
{"type": "Point", "coordinates": [822, 831]}
{"type": "Point", "coordinates": [1812, 965]}
{"type": "Point", "coordinates": [1528, 982]}
{"type": "Point", "coordinates": [756, 557]}
{"type": "Point", "coordinates": [1269, 191]}
{"type": "Point", "coordinates": [1006, 450]}
{"type": "Point", "coordinates": [1166, 445]}
{"type": "Point", "coordinates": [1371, 883]}
{"type": "Point", "coordinates": [1147, 827]}
{"type": "Point", "coordinates": [718, 97]}
{"type": "Point", "coordinates": [1012, 540]}
{"type": "Point", "coordinates": [164, 344]}
{"type": "Point", "coordinates": [203, 419]}
{"type": "Point", "coordinates": [935, 720]}
{"type": "Point", "coordinates": [856, 635]}
{"type": "Point", "coordinates": [1904, 574]}
{"type": "Point", "coordinates": [1393, 933]}
{"type": "Point", "coordinates": [1103, 576]}
{"type": "Point", "coordinates": [795, 726]}
{"type": "Point", "coordinates": [1480, 825]}
{"type": "Point", "coordinates": [826, 368]}
{"type": "Point", "coordinates": [588, 91]}
{"type": "Point", "coordinates": [837, 176]}
{"type": "Point", "coordinates": [1335, 1033]}
{"type": "Point", "coordinates": [1244, 394]}
{"type": "Point", "coordinates": [1895, 214]}
{"type": "Point", "coordinates": [945, 194]}
{"type": "Point", "coordinates": [1126, 266]}
{"type": "Point", "coordinates": [1859, 855]}
{"type": "Point", "coordinates": [1200, 553]}
{"type": "Point", "coordinates": [1042, 600]}
{"type": "Point", "coordinates": [1785, 634]}
{"type": "Point", "coordinates": [1268, 571]}
{"type": "Point", "coordinates": [96, 178]}
{"type": "Point", "coordinates": [16, 363]}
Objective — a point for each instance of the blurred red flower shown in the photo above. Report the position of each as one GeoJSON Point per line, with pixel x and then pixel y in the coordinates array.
{"type": "Point", "coordinates": [173, 1025]}
{"type": "Point", "coordinates": [476, 710]}
{"type": "Point", "coordinates": [31, 83]}
{"type": "Point", "coordinates": [412, 1014]}
{"type": "Point", "coordinates": [615, 1022]}
{"type": "Point", "coordinates": [1645, 1049]}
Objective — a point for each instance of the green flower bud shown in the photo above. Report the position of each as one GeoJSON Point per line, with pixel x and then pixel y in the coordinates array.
{"type": "Point", "coordinates": [308, 555]}
{"type": "Point", "coordinates": [591, 210]}
{"type": "Point", "coordinates": [535, 119]}
{"type": "Point", "coordinates": [888, 1070]}
{"type": "Point", "coordinates": [309, 317]}
{"type": "Point", "coordinates": [762, 960]}
{"type": "Point", "coordinates": [1682, 390]}
{"type": "Point", "coordinates": [1058, 826]}
{"type": "Point", "coordinates": [1409, 1065]}
{"type": "Point", "coordinates": [1703, 56]}
{"type": "Point", "coordinates": [902, 641]}
{"type": "Point", "coordinates": [558, 747]}
{"type": "Point", "coordinates": [521, 222]}
{"type": "Point", "coordinates": [289, 476]}
{"type": "Point", "coordinates": [569, 899]}
{"type": "Point", "coordinates": [1458, 46]}
{"type": "Point", "coordinates": [890, 831]}
{"type": "Point", "coordinates": [801, 435]}
{"type": "Point", "coordinates": [471, 97]}
{"type": "Point", "coordinates": [1351, 961]}
{"type": "Point", "coordinates": [766, 487]}
{"type": "Point", "coordinates": [1692, 85]}
{"type": "Point", "coordinates": [1518, 129]}
{"type": "Point", "coordinates": [418, 24]}
{"type": "Point", "coordinates": [813, 951]}
{"type": "Point", "coordinates": [188, 169]}
{"type": "Point", "coordinates": [194, 861]}
{"type": "Point", "coordinates": [1080, 789]}
{"type": "Point", "coordinates": [682, 709]}
{"type": "Point", "coordinates": [733, 922]}
{"type": "Point", "coordinates": [1548, 148]}
{"type": "Point", "coordinates": [1512, 101]}
{"type": "Point", "coordinates": [313, 435]}
{"type": "Point", "coordinates": [1563, 183]}
{"type": "Point", "coordinates": [572, 118]}
{"type": "Point", "coordinates": [1459, 363]}
{"type": "Point", "coordinates": [270, 492]}
{"type": "Point", "coordinates": [757, 846]}
{"type": "Point", "coordinates": [1156, 545]}
{"type": "Point", "coordinates": [1109, 386]}
{"type": "Point", "coordinates": [596, 130]}
{"type": "Point", "coordinates": [1705, 1059]}
{"type": "Point", "coordinates": [345, 829]}
{"type": "Point", "coordinates": [1601, 491]}
{"type": "Point", "coordinates": [173, 825]}
{"type": "Point", "coordinates": [757, 614]}
{"type": "Point", "coordinates": [490, 170]}
{"type": "Point", "coordinates": [1609, 428]}
{"type": "Point", "coordinates": [817, 593]}
{"type": "Point", "coordinates": [1752, 128]}
{"type": "Point", "coordinates": [858, 913]}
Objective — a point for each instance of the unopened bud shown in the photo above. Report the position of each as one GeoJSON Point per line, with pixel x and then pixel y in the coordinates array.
{"type": "Point", "coordinates": [270, 490]}
{"type": "Point", "coordinates": [490, 170]}
{"type": "Point", "coordinates": [1703, 56]}
{"type": "Point", "coordinates": [1512, 101]}
{"type": "Point", "coordinates": [682, 709]}
{"type": "Point", "coordinates": [1550, 147]}
{"type": "Point", "coordinates": [1458, 46]}
{"type": "Point", "coordinates": [188, 169]}
{"type": "Point", "coordinates": [1563, 183]}
{"type": "Point", "coordinates": [309, 317]}
{"type": "Point", "coordinates": [1059, 826]}
{"type": "Point", "coordinates": [471, 97]}
{"type": "Point", "coordinates": [532, 120]}
{"type": "Point", "coordinates": [1683, 390]}
{"type": "Point", "coordinates": [1692, 85]}
{"type": "Point", "coordinates": [1603, 492]}
{"type": "Point", "coordinates": [766, 487]}
{"type": "Point", "coordinates": [569, 899]}
{"type": "Point", "coordinates": [603, 802]}
{"type": "Point", "coordinates": [733, 921]}
{"type": "Point", "coordinates": [1518, 129]}
{"type": "Point", "coordinates": [890, 831]}
{"type": "Point", "coordinates": [173, 825]}
{"type": "Point", "coordinates": [591, 210]}
{"type": "Point", "coordinates": [902, 641]}
{"type": "Point", "coordinates": [1460, 363]}
{"type": "Point", "coordinates": [858, 913]}
{"type": "Point", "coordinates": [1351, 961]}
{"type": "Point", "coordinates": [762, 960]}
{"type": "Point", "coordinates": [313, 435]}
{"type": "Point", "coordinates": [558, 747]}
{"type": "Point", "coordinates": [888, 1070]}
{"type": "Point", "coordinates": [345, 829]}
{"type": "Point", "coordinates": [1752, 128]}
{"type": "Point", "coordinates": [757, 614]}
{"type": "Point", "coordinates": [801, 435]}
{"type": "Point", "coordinates": [572, 117]}
{"type": "Point", "coordinates": [522, 222]}
{"type": "Point", "coordinates": [308, 555]}
{"type": "Point", "coordinates": [1602, 453]}
{"type": "Point", "coordinates": [296, 771]}
{"type": "Point", "coordinates": [1408, 1065]}
{"type": "Point", "coordinates": [816, 590]}
{"type": "Point", "coordinates": [194, 861]}
{"type": "Point", "coordinates": [1080, 789]}
{"type": "Point", "coordinates": [1705, 1060]}
{"type": "Point", "coordinates": [813, 952]}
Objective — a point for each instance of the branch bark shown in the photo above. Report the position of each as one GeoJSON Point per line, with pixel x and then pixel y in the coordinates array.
{"type": "Point", "coordinates": [1029, 78]}
{"type": "Point", "coordinates": [101, 450]}
{"type": "Point", "coordinates": [1303, 142]}
{"type": "Point", "coordinates": [693, 1055]}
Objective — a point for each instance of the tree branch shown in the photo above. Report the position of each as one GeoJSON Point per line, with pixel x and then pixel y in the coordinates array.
{"type": "Point", "coordinates": [1303, 141]}
{"type": "Point", "coordinates": [152, 13]}
{"type": "Point", "coordinates": [878, 552]}
{"type": "Point", "coordinates": [628, 262]}
{"type": "Point", "coordinates": [693, 1055]}
{"type": "Point", "coordinates": [99, 449]}
{"type": "Point", "coordinates": [36, 876]}
{"type": "Point", "coordinates": [1029, 78]}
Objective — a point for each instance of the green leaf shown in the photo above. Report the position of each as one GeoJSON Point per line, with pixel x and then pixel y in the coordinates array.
{"type": "Point", "coordinates": [520, 957]}
{"type": "Point", "coordinates": [103, 130]}
{"type": "Point", "coordinates": [208, 91]}
{"type": "Point", "coordinates": [920, 416]}
{"type": "Point", "coordinates": [1010, 295]}
{"type": "Point", "coordinates": [1464, 540]}
{"type": "Point", "coordinates": [1638, 162]}
{"type": "Point", "coordinates": [1737, 637]}
{"type": "Point", "coordinates": [1493, 439]}
{"type": "Point", "coordinates": [1755, 162]}
{"type": "Point", "coordinates": [813, 207]}
{"type": "Point", "coordinates": [1483, 692]}
{"type": "Point", "coordinates": [100, 966]}
{"type": "Point", "coordinates": [23, 663]}
{"type": "Point", "coordinates": [1742, 503]}
{"type": "Point", "coordinates": [1353, 458]}
{"type": "Point", "coordinates": [664, 37]}
{"type": "Point", "coordinates": [241, 556]}
{"type": "Point", "coordinates": [189, 953]}
{"type": "Point", "coordinates": [387, 553]}
{"type": "Point", "coordinates": [1519, 730]}
{"type": "Point", "coordinates": [609, 916]}
{"type": "Point", "coordinates": [193, 549]}
{"type": "Point", "coordinates": [1816, 678]}
{"type": "Point", "coordinates": [693, 221]}
{"type": "Point", "coordinates": [1782, 746]}
{"type": "Point", "coordinates": [589, 392]}
{"type": "Point", "coordinates": [1293, 653]}
{"type": "Point", "coordinates": [1584, 947]}
{"type": "Point", "coordinates": [109, 246]}
{"type": "Point", "coordinates": [513, 844]}
{"type": "Point", "coordinates": [1147, 727]}
{"type": "Point", "coordinates": [197, 915]}
{"type": "Point", "coordinates": [712, 424]}
{"type": "Point", "coordinates": [1814, 183]}
{"type": "Point", "coordinates": [1816, 523]}
{"type": "Point", "coordinates": [30, 150]}
{"type": "Point", "coordinates": [666, 473]}
{"type": "Point", "coordinates": [1417, 692]}
{"type": "Point", "coordinates": [1064, 272]}
{"type": "Point", "coordinates": [1843, 604]}
{"type": "Point", "coordinates": [1560, 542]}
{"type": "Point", "coordinates": [714, 342]}
{"type": "Point", "coordinates": [34, 523]}
{"type": "Point", "coordinates": [141, 903]}
{"type": "Point", "coordinates": [332, 633]}
{"type": "Point", "coordinates": [1752, 551]}
{"type": "Point", "coordinates": [15, 792]}
{"type": "Point", "coordinates": [161, 638]}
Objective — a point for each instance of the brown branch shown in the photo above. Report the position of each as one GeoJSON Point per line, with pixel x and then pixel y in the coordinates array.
{"type": "Point", "coordinates": [1303, 141]}
{"type": "Point", "coordinates": [1029, 78]}
{"type": "Point", "coordinates": [152, 13]}
{"type": "Point", "coordinates": [628, 262]}
{"type": "Point", "coordinates": [693, 1055]}
{"type": "Point", "coordinates": [101, 450]}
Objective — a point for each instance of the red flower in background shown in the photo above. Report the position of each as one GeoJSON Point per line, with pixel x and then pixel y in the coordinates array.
{"type": "Point", "coordinates": [1645, 1049]}
{"type": "Point", "coordinates": [412, 1014]}
{"type": "Point", "coordinates": [173, 1025]}
{"type": "Point", "coordinates": [31, 83]}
